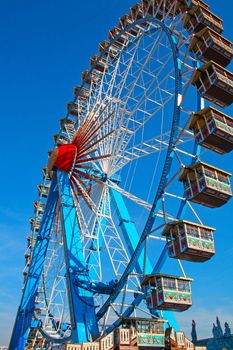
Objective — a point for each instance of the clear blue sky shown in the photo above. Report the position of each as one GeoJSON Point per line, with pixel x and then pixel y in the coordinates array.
{"type": "Point", "coordinates": [45, 46]}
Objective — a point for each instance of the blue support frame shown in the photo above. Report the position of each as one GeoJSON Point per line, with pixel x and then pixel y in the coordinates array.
{"type": "Point", "coordinates": [81, 301]}
{"type": "Point", "coordinates": [27, 305]}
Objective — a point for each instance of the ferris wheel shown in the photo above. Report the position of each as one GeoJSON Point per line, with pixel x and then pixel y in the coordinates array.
{"type": "Point", "coordinates": [123, 185]}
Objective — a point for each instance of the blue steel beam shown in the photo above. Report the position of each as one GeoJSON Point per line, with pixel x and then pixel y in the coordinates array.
{"type": "Point", "coordinates": [81, 301]}
{"type": "Point", "coordinates": [131, 237]}
{"type": "Point", "coordinates": [128, 230]}
{"type": "Point", "coordinates": [27, 304]}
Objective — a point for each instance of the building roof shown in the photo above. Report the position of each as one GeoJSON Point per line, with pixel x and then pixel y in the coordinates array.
{"type": "Point", "coordinates": [186, 169]}
{"type": "Point", "coordinates": [174, 223]}
{"type": "Point", "coordinates": [204, 67]}
{"type": "Point", "coordinates": [204, 111]}
{"type": "Point", "coordinates": [151, 278]}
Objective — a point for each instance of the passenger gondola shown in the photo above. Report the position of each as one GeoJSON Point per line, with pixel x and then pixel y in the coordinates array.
{"type": "Point", "coordinates": [43, 190]}
{"type": "Point", "coordinates": [166, 292]}
{"type": "Point", "coordinates": [213, 129]}
{"type": "Point", "coordinates": [205, 184]}
{"type": "Point", "coordinates": [189, 241]}
{"type": "Point", "coordinates": [199, 17]}
{"type": "Point", "coordinates": [209, 45]}
{"type": "Point", "coordinates": [90, 78]}
{"type": "Point", "coordinates": [185, 5]}
{"type": "Point", "coordinates": [214, 83]}
{"type": "Point", "coordinates": [98, 63]}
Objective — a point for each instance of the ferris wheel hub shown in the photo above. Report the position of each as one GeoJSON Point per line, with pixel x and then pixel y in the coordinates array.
{"type": "Point", "coordinates": [63, 157]}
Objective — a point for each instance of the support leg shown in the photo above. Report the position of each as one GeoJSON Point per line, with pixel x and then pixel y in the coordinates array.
{"type": "Point", "coordinates": [27, 305]}
{"type": "Point", "coordinates": [81, 301]}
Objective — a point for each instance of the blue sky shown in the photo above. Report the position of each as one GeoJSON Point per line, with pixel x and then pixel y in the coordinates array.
{"type": "Point", "coordinates": [45, 47]}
